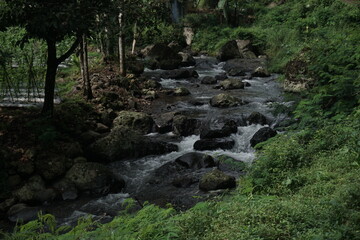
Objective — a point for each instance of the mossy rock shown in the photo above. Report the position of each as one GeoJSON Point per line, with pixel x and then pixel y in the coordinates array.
{"type": "Point", "coordinates": [216, 179]}
{"type": "Point", "coordinates": [138, 121]}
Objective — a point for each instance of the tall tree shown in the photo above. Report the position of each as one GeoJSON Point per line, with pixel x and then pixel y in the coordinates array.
{"type": "Point", "coordinates": [52, 21]}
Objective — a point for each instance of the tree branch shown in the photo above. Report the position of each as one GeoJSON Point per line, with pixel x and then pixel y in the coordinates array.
{"type": "Point", "coordinates": [70, 51]}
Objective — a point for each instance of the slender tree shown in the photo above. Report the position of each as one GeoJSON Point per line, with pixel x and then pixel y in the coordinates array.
{"type": "Point", "coordinates": [52, 21]}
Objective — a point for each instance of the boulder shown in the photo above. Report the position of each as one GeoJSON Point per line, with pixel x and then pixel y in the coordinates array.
{"type": "Point", "coordinates": [181, 91]}
{"type": "Point", "coordinates": [184, 126]}
{"type": "Point", "coordinates": [235, 72]}
{"type": "Point", "coordinates": [215, 180]}
{"type": "Point", "coordinates": [89, 137]}
{"type": "Point", "coordinates": [180, 74]}
{"type": "Point", "coordinates": [229, 128]}
{"type": "Point", "coordinates": [138, 121]}
{"type": "Point", "coordinates": [262, 135]}
{"type": "Point", "coordinates": [162, 57]}
{"type": "Point", "coordinates": [93, 177]}
{"type": "Point", "coordinates": [28, 192]}
{"type": "Point", "coordinates": [236, 49]}
{"type": "Point", "coordinates": [205, 64]}
{"type": "Point", "coordinates": [245, 65]}
{"type": "Point", "coordinates": [221, 77]}
{"type": "Point", "coordinates": [164, 122]}
{"type": "Point", "coordinates": [224, 100]}
{"type": "Point", "coordinates": [260, 72]}
{"type": "Point", "coordinates": [187, 59]}
{"type": "Point", "coordinates": [256, 118]}
{"type": "Point", "coordinates": [214, 143]}
{"type": "Point", "coordinates": [22, 213]}
{"type": "Point", "coordinates": [230, 84]}
{"type": "Point", "coordinates": [228, 51]}
{"type": "Point", "coordinates": [208, 80]}
{"type": "Point", "coordinates": [196, 160]}
{"type": "Point", "coordinates": [175, 46]}
{"type": "Point", "coordinates": [66, 189]}
{"type": "Point", "coordinates": [123, 142]}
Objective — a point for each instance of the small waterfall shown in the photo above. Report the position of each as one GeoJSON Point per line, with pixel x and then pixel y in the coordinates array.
{"type": "Point", "coordinates": [176, 10]}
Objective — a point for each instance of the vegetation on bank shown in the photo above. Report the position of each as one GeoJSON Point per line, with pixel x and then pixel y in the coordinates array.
{"type": "Point", "coordinates": [305, 183]}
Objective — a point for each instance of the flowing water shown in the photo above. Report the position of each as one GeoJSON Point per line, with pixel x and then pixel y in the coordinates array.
{"type": "Point", "coordinates": [259, 97]}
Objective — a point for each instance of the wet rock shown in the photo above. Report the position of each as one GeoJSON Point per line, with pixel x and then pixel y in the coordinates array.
{"type": "Point", "coordinates": [184, 126]}
{"type": "Point", "coordinates": [224, 100]}
{"type": "Point", "coordinates": [46, 195]}
{"type": "Point", "coordinates": [234, 72]}
{"type": "Point", "coordinates": [93, 177]}
{"type": "Point", "coordinates": [180, 74]}
{"type": "Point", "coordinates": [22, 213]}
{"type": "Point", "coordinates": [247, 84]}
{"type": "Point", "coordinates": [50, 165]}
{"type": "Point", "coordinates": [204, 64]}
{"type": "Point", "coordinates": [229, 128]}
{"type": "Point", "coordinates": [221, 77]}
{"type": "Point", "coordinates": [196, 160]}
{"type": "Point", "coordinates": [67, 189]}
{"type": "Point", "coordinates": [260, 72]}
{"type": "Point", "coordinates": [164, 122]}
{"type": "Point", "coordinates": [175, 46]}
{"type": "Point", "coordinates": [214, 143]}
{"type": "Point", "coordinates": [123, 142]}
{"type": "Point", "coordinates": [187, 60]}
{"type": "Point", "coordinates": [262, 135]}
{"type": "Point", "coordinates": [245, 65]}
{"type": "Point", "coordinates": [216, 180]}
{"type": "Point", "coordinates": [27, 193]}
{"type": "Point", "coordinates": [256, 118]}
{"type": "Point", "coordinates": [195, 102]}
{"type": "Point", "coordinates": [137, 121]}
{"type": "Point", "coordinates": [208, 80]}
{"type": "Point", "coordinates": [230, 84]}
{"type": "Point", "coordinates": [181, 91]}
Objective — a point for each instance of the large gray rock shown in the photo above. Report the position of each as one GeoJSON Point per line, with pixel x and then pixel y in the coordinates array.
{"type": "Point", "coordinates": [260, 72]}
{"type": "Point", "coordinates": [214, 143]}
{"type": "Point", "coordinates": [196, 160]}
{"type": "Point", "coordinates": [262, 135]}
{"type": "Point", "coordinates": [236, 49]}
{"type": "Point", "coordinates": [229, 128]}
{"type": "Point", "coordinates": [230, 84]}
{"type": "Point", "coordinates": [181, 91]}
{"type": "Point", "coordinates": [256, 118]}
{"type": "Point", "coordinates": [216, 180]}
{"type": "Point", "coordinates": [224, 100]}
{"type": "Point", "coordinates": [187, 59]}
{"type": "Point", "coordinates": [138, 121]}
{"type": "Point", "coordinates": [93, 177]}
{"type": "Point", "coordinates": [180, 74]}
{"type": "Point", "coordinates": [208, 80]}
{"type": "Point", "coordinates": [162, 56]}
{"type": "Point", "coordinates": [125, 143]}
{"type": "Point", "coordinates": [22, 213]}
{"type": "Point", "coordinates": [184, 126]}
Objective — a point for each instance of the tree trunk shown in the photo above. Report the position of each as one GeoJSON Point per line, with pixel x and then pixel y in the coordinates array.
{"type": "Point", "coordinates": [134, 38]}
{"type": "Point", "coordinates": [121, 46]}
{"type": "Point", "coordinates": [52, 64]}
{"type": "Point", "coordinates": [82, 66]}
{"type": "Point", "coordinates": [88, 94]}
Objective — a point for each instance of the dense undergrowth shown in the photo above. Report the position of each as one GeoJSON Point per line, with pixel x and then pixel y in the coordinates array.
{"type": "Point", "coordinates": [305, 183]}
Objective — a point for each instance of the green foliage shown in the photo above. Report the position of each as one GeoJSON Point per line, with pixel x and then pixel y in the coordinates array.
{"type": "Point", "coordinates": [162, 33]}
